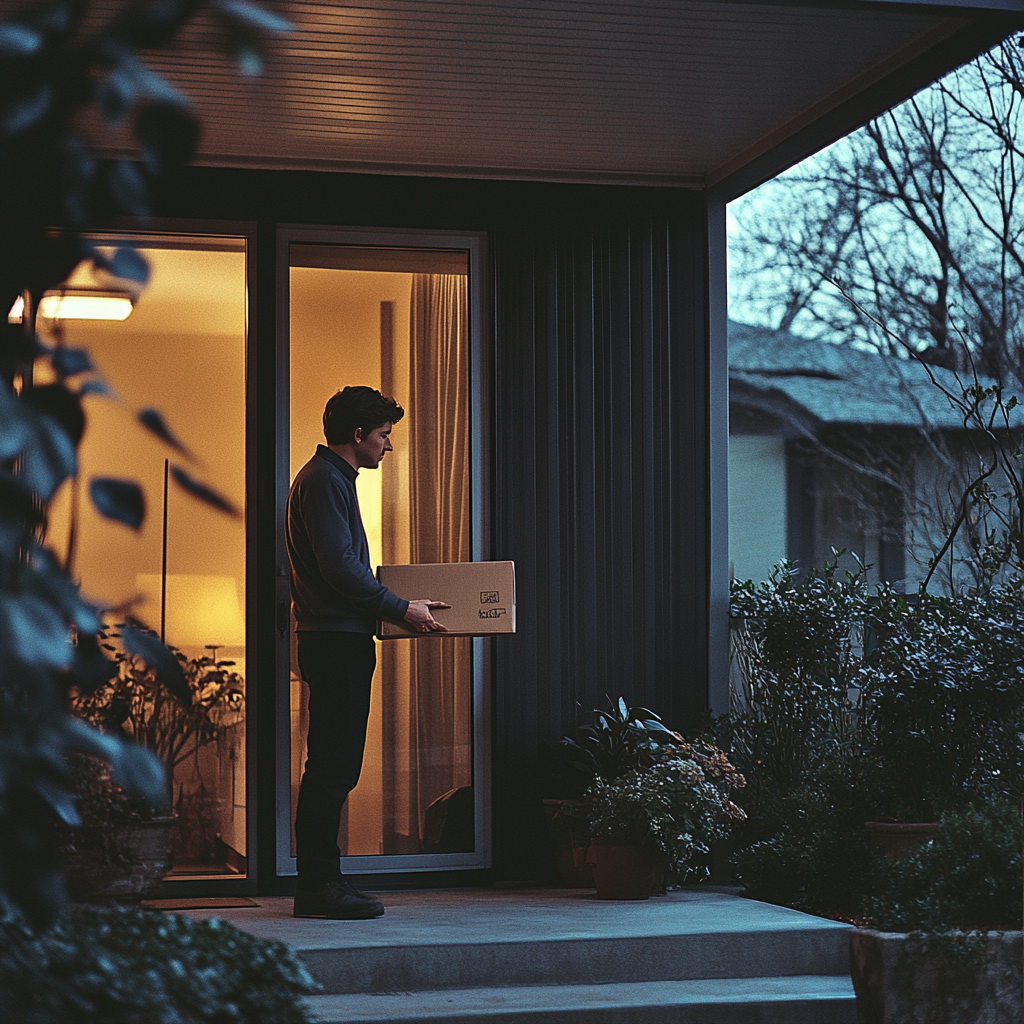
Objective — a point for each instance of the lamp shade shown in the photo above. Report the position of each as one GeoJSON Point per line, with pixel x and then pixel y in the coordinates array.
{"type": "Point", "coordinates": [200, 611]}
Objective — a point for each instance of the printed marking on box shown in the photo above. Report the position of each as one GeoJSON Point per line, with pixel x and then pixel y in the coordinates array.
{"type": "Point", "coordinates": [490, 597]}
{"type": "Point", "coordinates": [491, 613]}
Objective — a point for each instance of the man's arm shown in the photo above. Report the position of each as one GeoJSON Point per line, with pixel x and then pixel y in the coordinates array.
{"type": "Point", "coordinates": [326, 519]}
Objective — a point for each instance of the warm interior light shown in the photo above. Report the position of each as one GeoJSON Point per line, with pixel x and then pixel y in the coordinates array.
{"type": "Point", "coordinates": [84, 305]}
{"type": "Point", "coordinates": [200, 610]}
{"type": "Point", "coordinates": [76, 304]}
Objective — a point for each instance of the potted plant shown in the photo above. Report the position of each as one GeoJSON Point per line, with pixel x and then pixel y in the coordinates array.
{"type": "Point", "coordinates": [942, 940]}
{"type": "Point", "coordinates": [619, 740]}
{"type": "Point", "coordinates": [125, 847]}
{"type": "Point", "coordinates": [659, 818]}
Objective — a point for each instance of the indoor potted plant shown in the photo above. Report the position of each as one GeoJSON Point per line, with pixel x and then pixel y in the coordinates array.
{"type": "Point", "coordinates": [660, 818]}
{"type": "Point", "coordinates": [124, 848]}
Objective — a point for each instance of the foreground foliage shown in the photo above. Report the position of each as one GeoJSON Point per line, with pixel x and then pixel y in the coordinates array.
{"type": "Point", "coordinates": [73, 74]}
{"type": "Point", "coordinates": [120, 966]}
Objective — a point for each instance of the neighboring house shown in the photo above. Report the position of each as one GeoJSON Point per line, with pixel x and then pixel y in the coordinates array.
{"type": "Point", "coordinates": [835, 447]}
{"type": "Point", "coordinates": [521, 207]}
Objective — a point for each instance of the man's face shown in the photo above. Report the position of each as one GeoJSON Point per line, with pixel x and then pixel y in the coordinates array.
{"type": "Point", "coordinates": [370, 447]}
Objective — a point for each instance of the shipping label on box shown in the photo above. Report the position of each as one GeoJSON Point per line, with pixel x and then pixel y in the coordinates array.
{"type": "Point", "coordinates": [482, 596]}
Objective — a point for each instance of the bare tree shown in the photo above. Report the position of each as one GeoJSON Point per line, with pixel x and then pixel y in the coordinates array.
{"type": "Point", "coordinates": [918, 216]}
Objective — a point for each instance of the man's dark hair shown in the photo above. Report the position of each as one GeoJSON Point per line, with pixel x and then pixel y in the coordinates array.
{"type": "Point", "coordinates": [357, 407]}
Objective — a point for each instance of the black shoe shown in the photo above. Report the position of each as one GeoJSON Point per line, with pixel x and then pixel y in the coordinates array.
{"type": "Point", "coordinates": [336, 900]}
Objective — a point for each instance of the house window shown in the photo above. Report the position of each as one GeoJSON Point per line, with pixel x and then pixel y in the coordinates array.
{"type": "Point", "coordinates": [181, 350]}
{"type": "Point", "coordinates": [397, 317]}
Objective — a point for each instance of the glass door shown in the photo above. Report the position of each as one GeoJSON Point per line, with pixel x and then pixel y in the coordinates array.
{"type": "Point", "coordinates": [400, 312]}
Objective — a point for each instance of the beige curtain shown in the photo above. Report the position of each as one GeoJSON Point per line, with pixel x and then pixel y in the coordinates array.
{"type": "Point", "coordinates": [427, 700]}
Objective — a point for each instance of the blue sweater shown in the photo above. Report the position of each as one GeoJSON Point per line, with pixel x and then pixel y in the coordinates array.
{"type": "Point", "coordinates": [333, 588]}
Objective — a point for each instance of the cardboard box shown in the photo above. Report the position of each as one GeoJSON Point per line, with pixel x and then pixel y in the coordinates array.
{"type": "Point", "coordinates": [482, 596]}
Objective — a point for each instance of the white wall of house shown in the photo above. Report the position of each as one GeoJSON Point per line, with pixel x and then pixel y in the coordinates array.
{"type": "Point", "coordinates": [757, 504]}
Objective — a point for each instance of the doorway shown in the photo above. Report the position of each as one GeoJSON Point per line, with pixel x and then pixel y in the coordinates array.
{"type": "Point", "coordinates": [401, 312]}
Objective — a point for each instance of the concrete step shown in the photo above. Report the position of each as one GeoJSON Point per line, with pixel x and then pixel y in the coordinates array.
{"type": "Point", "coordinates": [448, 963]}
{"type": "Point", "coordinates": [805, 999]}
{"type": "Point", "coordinates": [484, 940]}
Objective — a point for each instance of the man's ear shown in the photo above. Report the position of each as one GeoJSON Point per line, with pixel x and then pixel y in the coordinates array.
{"type": "Point", "coordinates": [357, 435]}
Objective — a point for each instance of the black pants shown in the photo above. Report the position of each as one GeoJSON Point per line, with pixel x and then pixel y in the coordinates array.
{"type": "Point", "coordinates": [338, 668]}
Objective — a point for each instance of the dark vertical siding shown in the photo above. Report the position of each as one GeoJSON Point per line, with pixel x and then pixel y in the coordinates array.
{"type": "Point", "coordinates": [599, 480]}
{"type": "Point", "coordinates": [599, 447]}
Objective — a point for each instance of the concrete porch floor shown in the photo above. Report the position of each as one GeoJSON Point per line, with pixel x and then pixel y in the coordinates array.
{"type": "Point", "coordinates": [429, 917]}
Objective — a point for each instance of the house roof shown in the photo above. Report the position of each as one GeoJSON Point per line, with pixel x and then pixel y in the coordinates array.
{"type": "Point", "coordinates": [700, 93]}
{"type": "Point", "coordinates": [809, 384]}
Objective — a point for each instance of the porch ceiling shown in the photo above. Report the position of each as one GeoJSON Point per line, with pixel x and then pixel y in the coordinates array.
{"type": "Point", "coordinates": [660, 91]}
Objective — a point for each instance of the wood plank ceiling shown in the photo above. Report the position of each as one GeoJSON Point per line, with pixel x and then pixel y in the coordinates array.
{"type": "Point", "coordinates": [662, 91]}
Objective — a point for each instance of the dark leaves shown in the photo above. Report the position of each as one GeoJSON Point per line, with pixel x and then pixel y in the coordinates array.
{"type": "Point", "coordinates": [143, 644]}
{"type": "Point", "coordinates": [70, 361]}
{"type": "Point", "coordinates": [128, 188]}
{"type": "Point", "coordinates": [253, 14]}
{"type": "Point", "coordinates": [121, 500]}
{"type": "Point", "coordinates": [21, 112]}
{"type": "Point", "coordinates": [202, 492]}
{"type": "Point", "coordinates": [61, 405]}
{"type": "Point", "coordinates": [167, 135]}
{"type": "Point", "coordinates": [244, 26]}
{"type": "Point", "coordinates": [154, 422]}
{"type": "Point", "coordinates": [91, 667]}
{"type": "Point", "coordinates": [131, 766]}
{"type": "Point", "coordinates": [129, 264]}
{"type": "Point", "coordinates": [18, 40]}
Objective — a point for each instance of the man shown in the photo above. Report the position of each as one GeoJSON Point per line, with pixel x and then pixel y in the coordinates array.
{"type": "Point", "coordinates": [337, 601]}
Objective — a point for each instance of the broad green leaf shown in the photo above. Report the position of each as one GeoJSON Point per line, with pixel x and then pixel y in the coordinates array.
{"type": "Point", "coordinates": [35, 631]}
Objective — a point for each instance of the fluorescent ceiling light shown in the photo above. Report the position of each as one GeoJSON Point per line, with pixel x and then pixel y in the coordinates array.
{"type": "Point", "coordinates": [76, 304]}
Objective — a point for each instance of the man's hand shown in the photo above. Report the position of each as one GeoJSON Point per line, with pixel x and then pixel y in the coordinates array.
{"type": "Point", "coordinates": [419, 618]}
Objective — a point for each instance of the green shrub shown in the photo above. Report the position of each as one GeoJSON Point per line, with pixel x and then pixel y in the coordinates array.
{"type": "Point", "coordinates": [942, 698]}
{"type": "Point", "coordinates": [969, 877]}
{"type": "Point", "coordinates": [122, 966]}
{"type": "Point", "coordinates": [796, 650]}
{"type": "Point", "coordinates": [818, 858]}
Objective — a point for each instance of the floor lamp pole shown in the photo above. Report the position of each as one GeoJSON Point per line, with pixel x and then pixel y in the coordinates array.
{"type": "Point", "coordinates": [163, 566]}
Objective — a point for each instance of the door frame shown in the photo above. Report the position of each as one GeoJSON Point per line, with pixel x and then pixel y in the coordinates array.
{"type": "Point", "coordinates": [475, 243]}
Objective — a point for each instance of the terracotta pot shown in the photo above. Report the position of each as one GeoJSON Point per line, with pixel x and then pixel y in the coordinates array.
{"type": "Point", "coordinates": [567, 844]}
{"type": "Point", "coordinates": [624, 872]}
{"type": "Point", "coordinates": [896, 839]}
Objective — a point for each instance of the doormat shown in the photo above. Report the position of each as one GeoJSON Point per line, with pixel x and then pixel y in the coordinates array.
{"type": "Point", "coordinates": [199, 903]}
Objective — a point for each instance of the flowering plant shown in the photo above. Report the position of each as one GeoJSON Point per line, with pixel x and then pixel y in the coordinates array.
{"type": "Point", "coordinates": [678, 805]}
